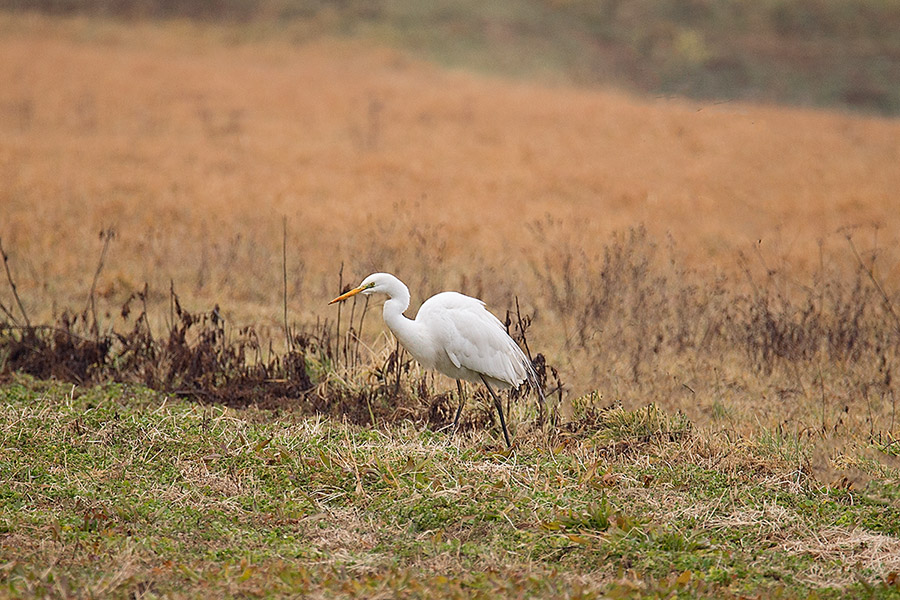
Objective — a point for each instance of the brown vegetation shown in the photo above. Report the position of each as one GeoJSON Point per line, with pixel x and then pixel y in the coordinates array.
{"type": "Point", "coordinates": [740, 287]}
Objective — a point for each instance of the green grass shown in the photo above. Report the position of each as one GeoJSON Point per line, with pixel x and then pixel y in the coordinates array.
{"type": "Point", "coordinates": [120, 491]}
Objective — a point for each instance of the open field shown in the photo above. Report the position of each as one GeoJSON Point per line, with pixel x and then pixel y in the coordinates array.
{"type": "Point", "coordinates": [735, 265]}
{"type": "Point", "coordinates": [193, 147]}
{"type": "Point", "coordinates": [120, 492]}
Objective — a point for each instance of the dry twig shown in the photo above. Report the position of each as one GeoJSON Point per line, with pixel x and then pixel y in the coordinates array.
{"type": "Point", "coordinates": [12, 284]}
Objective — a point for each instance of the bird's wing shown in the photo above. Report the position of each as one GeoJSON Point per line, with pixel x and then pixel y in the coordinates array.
{"type": "Point", "coordinates": [473, 338]}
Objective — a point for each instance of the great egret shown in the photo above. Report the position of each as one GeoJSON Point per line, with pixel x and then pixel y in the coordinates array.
{"type": "Point", "coordinates": [456, 335]}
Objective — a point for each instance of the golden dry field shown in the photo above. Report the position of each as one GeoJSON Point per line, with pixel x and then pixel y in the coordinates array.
{"type": "Point", "coordinates": [715, 288]}
{"type": "Point", "coordinates": [193, 143]}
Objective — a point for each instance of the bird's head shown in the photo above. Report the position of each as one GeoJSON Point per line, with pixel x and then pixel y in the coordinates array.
{"type": "Point", "coordinates": [375, 283]}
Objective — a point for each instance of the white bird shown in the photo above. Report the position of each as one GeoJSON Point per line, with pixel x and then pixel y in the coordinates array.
{"type": "Point", "coordinates": [456, 335]}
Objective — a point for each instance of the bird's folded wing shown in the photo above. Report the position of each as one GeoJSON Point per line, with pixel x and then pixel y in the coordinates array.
{"type": "Point", "coordinates": [476, 340]}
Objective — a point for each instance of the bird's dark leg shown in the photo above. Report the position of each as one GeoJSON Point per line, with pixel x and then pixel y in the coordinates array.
{"type": "Point", "coordinates": [499, 406]}
{"type": "Point", "coordinates": [462, 401]}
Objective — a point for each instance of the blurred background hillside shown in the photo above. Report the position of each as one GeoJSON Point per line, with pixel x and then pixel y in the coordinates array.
{"type": "Point", "coordinates": [823, 53]}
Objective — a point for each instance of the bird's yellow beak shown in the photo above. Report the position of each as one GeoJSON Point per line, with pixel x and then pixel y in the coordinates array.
{"type": "Point", "coordinates": [343, 297]}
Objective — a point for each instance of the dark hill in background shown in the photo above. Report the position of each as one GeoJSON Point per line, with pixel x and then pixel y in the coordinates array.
{"type": "Point", "coordinates": [830, 53]}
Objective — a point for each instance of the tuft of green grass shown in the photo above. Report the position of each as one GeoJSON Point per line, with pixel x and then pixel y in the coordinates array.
{"type": "Point", "coordinates": [615, 423]}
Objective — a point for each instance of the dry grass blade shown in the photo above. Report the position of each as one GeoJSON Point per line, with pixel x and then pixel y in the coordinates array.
{"type": "Point", "coordinates": [284, 298]}
{"type": "Point", "coordinates": [106, 236]}
{"type": "Point", "coordinates": [12, 285]}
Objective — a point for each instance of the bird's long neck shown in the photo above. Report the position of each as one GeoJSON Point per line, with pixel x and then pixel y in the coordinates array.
{"type": "Point", "coordinates": [406, 330]}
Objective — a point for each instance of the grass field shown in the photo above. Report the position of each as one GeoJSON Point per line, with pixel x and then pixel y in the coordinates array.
{"type": "Point", "coordinates": [715, 283]}
{"type": "Point", "coordinates": [119, 491]}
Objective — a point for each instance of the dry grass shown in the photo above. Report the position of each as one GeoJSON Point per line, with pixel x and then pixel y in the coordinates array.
{"type": "Point", "coordinates": [689, 257]}
{"type": "Point", "coordinates": [192, 149]}
{"type": "Point", "coordinates": [837, 544]}
{"type": "Point", "coordinates": [191, 144]}
{"type": "Point", "coordinates": [117, 490]}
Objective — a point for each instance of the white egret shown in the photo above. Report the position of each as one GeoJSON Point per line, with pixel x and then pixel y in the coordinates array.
{"type": "Point", "coordinates": [456, 335]}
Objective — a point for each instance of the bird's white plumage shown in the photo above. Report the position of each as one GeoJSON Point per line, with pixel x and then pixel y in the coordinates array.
{"type": "Point", "coordinates": [474, 341]}
{"type": "Point", "coordinates": [452, 333]}
{"type": "Point", "coordinates": [456, 335]}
